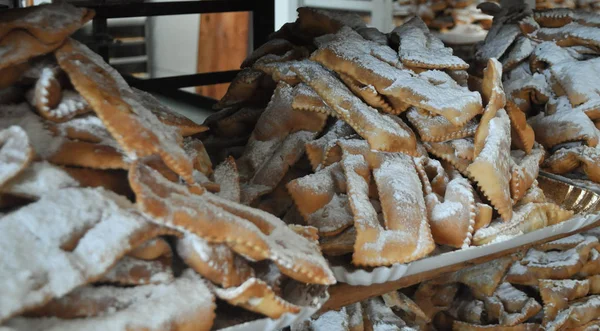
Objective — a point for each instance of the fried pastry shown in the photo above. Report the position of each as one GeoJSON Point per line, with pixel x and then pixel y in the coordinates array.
{"type": "Point", "coordinates": [27, 32]}
{"type": "Point", "coordinates": [556, 295]}
{"type": "Point", "coordinates": [538, 265]}
{"type": "Point", "coordinates": [16, 153]}
{"type": "Point", "coordinates": [383, 132]}
{"type": "Point", "coordinates": [491, 167]}
{"type": "Point", "coordinates": [411, 237]}
{"type": "Point", "coordinates": [226, 175]}
{"type": "Point", "coordinates": [121, 110]}
{"type": "Point", "coordinates": [249, 232]}
{"type": "Point", "coordinates": [187, 303]}
{"type": "Point", "coordinates": [577, 314]}
{"type": "Point", "coordinates": [575, 126]}
{"type": "Point", "coordinates": [451, 220]}
{"type": "Point", "coordinates": [151, 250]}
{"type": "Point", "coordinates": [37, 180]}
{"type": "Point", "coordinates": [306, 99]}
{"type": "Point", "coordinates": [340, 244]}
{"type": "Point", "coordinates": [524, 171]}
{"type": "Point", "coordinates": [525, 218]}
{"type": "Point", "coordinates": [325, 150]}
{"type": "Point", "coordinates": [568, 159]}
{"type": "Point", "coordinates": [401, 84]}
{"type": "Point", "coordinates": [84, 154]}
{"type": "Point", "coordinates": [215, 262]}
{"type": "Point", "coordinates": [511, 306]}
{"type": "Point", "coordinates": [437, 128]}
{"type": "Point", "coordinates": [131, 271]}
{"type": "Point", "coordinates": [72, 257]}
{"type": "Point", "coordinates": [245, 295]}
{"type": "Point", "coordinates": [462, 326]}
{"type": "Point", "coordinates": [167, 116]}
{"type": "Point", "coordinates": [419, 48]}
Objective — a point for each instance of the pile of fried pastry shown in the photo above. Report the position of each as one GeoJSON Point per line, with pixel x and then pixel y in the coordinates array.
{"type": "Point", "coordinates": [554, 286]}
{"type": "Point", "coordinates": [550, 62]}
{"type": "Point", "coordinates": [587, 5]}
{"type": "Point", "coordinates": [112, 216]}
{"type": "Point", "coordinates": [381, 147]}
{"type": "Point", "coordinates": [457, 22]}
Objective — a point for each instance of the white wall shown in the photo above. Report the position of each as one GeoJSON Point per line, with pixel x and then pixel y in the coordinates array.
{"type": "Point", "coordinates": [174, 44]}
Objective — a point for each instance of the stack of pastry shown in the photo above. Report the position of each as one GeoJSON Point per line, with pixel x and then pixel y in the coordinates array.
{"type": "Point", "coordinates": [587, 5]}
{"type": "Point", "coordinates": [550, 62]}
{"type": "Point", "coordinates": [111, 214]}
{"type": "Point", "coordinates": [555, 286]}
{"type": "Point", "coordinates": [458, 22]}
{"type": "Point", "coordinates": [386, 153]}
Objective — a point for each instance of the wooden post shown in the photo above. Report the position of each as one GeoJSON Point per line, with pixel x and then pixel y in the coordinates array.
{"type": "Point", "coordinates": [223, 45]}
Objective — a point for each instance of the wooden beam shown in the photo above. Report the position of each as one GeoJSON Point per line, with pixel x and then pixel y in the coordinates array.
{"type": "Point", "coordinates": [343, 294]}
{"type": "Point", "coordinates": [223, 45]}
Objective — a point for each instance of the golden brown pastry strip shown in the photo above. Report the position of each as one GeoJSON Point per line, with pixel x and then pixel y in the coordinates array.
{"type": "Point", "coordinates": [135, 128]}
{"type": "Point", "coordinates": [247, 231]}
{"type": "Point", "coordinates": [383, 132]}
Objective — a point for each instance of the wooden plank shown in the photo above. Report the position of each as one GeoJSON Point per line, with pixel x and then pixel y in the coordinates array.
{"type": "Point", "coordinates": [223, 45]}
{"type": "Point", "coordinates": [343, 294]}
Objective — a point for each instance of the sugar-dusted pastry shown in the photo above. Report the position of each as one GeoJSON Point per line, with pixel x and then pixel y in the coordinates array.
{"type": "Point", "coordinates": [274, 46]}
{"type": "Point", "coordinates": [556, 295]}
{"type": "Point", "coordinates": [433, 298]}
{"type": "Point", "coordinates": [391, 81]}
{"type": "Point", "coordinates": [563, 243]}
{"type": "Point", "coordinates": [85, 154]}
{"type": "Point", "coordinates": [151, 249]}
{"type": "Point", "coordinates": [257, 296]}
{"type": "Point", "coordinates": [227, 176]}
{"type": "Point", "coordinates": [197, 152]}
{"type": "Point", "coordinates": [568, 159]}
{"type": "Point", "coordinates": [524, 171]}
{"type": "Point", "coordinates": [71, 256]}
{"type": "Point", "coordinates": [399, 300]}
{"type": "Point", "coordinates": [482, 279]}
{"type": "Point", "coordinates": [131, 271]}
{"type": "Point", "coordinates": [436, 128]}
{"type": "Point", "coordinates": [381, 317]}
{"type": "Point", "coordinates": [538, 265]}
{"type": "Point", "coordinates": [184, 303]}
{"type": "Point", "coordinates": [186, 126]}
{"type": "Point", "coordinates": [577, 314]}
{"type": "Point", "coordinates": [249, 232]}
{"type": "Point", "coordinates": [421, 49]}
{"type": "Point", "coordinates": [340, 244]}
{"type": "Point", "coordinates": [16, 153]}
{"type": "Point", "coordinates": [510, 305]}
{"type": "Point", "coordinates": [403, 239]}
{"type": "Point", "coordinates": [325, 150]}
{"type": "Point", "coordinates": [215, 262]}
{"type": "Point", "coordinates": [37, 30]}
{"type": "Point", "coordinates": [305, 98]}
{"type": "Point", "coordinates": [491, 167]}
{"type": "Point", "coordinates": [452, 219]}
{"type": "Point", "coordinates": [462, 326]}
{"type": "Point", "coordinates": [575, 126]}
{"type": "Point", "coordinates": [38, 179]}
{"type": "Point", "coordinates": [525, 218]}
{"type": "Point", "coordinates": [137, 130]}
{"type": "Point", "coordinates": [245, 89]}
{"type": "Point", "coordinates": [383, 132]}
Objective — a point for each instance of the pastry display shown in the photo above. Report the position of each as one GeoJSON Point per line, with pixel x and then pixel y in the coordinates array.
{"type": "Point", "coordinates": [335, 145]}
{"type": "Point", "coordinates": [550, 66]}
{"type": "Point", "coordinates": [381, 147]}
{"type": "Point", "coordinates": [554, 286]}
{"type": "Point", "coordinates": [111, 208]}
{"type": "Point", "coordinates": [454, 22]}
